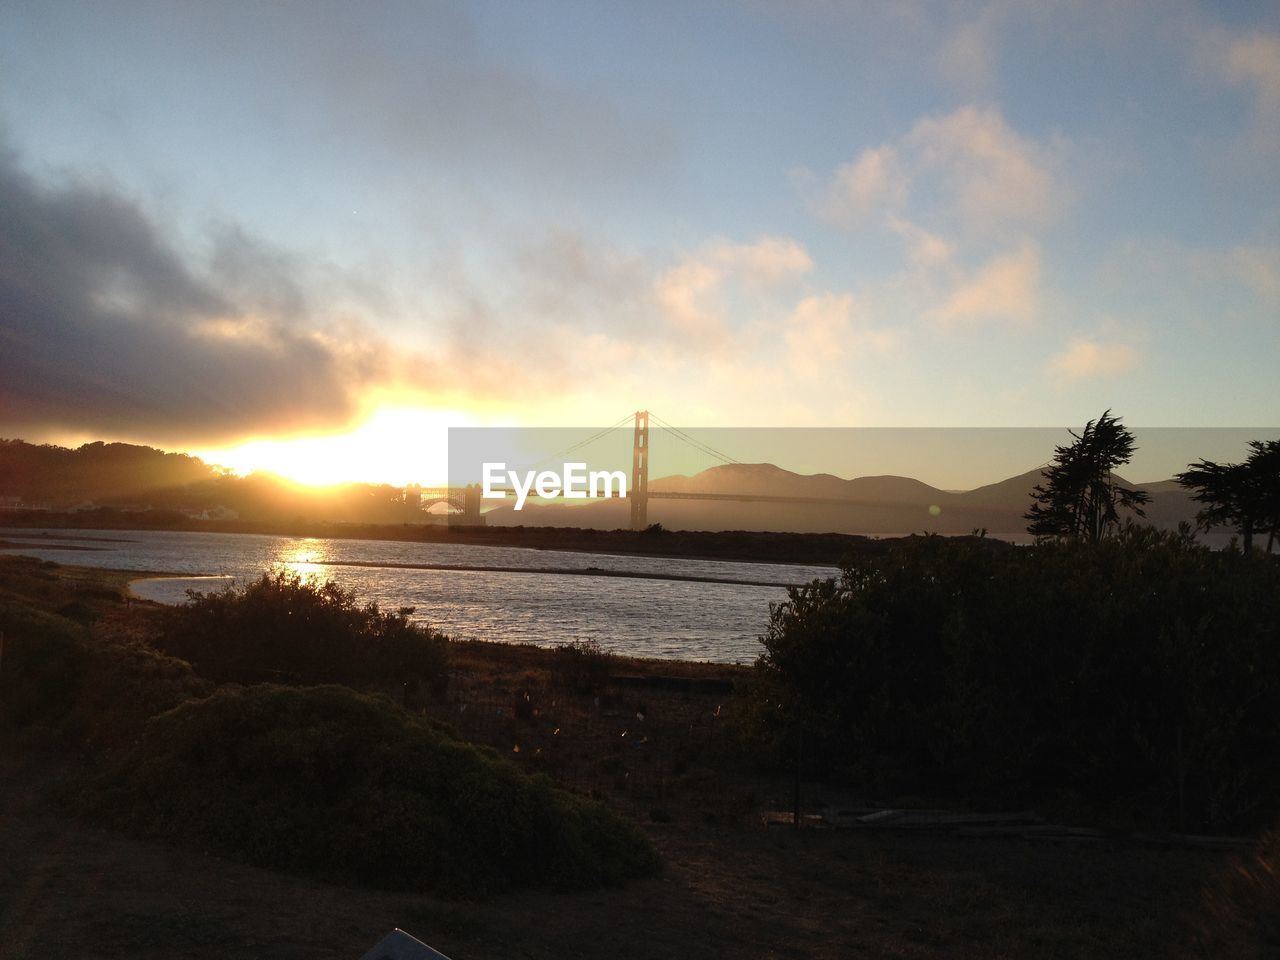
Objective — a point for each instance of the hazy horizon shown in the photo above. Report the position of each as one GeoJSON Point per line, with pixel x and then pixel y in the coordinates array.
{"type": "Point", "coordinates": [947, 459]}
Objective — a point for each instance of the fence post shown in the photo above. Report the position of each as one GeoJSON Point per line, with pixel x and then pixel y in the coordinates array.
{"type": "Point", "coordinates": [799, 763]}
{"type": "Point", "coordinates": [1182, 783]}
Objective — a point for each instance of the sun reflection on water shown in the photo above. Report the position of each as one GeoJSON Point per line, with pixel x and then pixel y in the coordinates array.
{"type": "Point", "coordinates": [306, 558]}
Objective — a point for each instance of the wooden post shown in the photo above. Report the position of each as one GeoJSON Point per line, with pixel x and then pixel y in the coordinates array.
{"type": "Point", "coordinates": [1182, 782]}
{"type": "Point", "coordinates": [795, 799]}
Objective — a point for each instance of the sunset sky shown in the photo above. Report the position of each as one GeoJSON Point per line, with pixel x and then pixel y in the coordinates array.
{"type": "Point", "coordinates": [310, 237]}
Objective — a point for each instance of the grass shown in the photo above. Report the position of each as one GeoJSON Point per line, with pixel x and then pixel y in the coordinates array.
{"type": "Point", "coordinates": [60, 686]}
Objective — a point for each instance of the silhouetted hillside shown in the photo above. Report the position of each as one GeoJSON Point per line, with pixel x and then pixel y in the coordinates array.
{"type": "Point", "coordinates": [125, 476]}
{"type": "Point", "coordinates": [1002, 494]}
{"type": "Point", "coordinates": [766, 479]}
{"type": "Point", "coordinates": [119, 473]}
{"type": "Point", "coordinates": [131, 477]}
{"type": "Point", "coordinates": [878, 505]}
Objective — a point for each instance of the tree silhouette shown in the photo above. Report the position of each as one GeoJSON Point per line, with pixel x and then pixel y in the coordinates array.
{"type": "Point", "coordinates": [1080, 498]}
{"type": "Point", "coordinates": [1244, 496]}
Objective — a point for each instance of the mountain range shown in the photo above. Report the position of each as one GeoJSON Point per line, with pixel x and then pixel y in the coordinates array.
{"type": "Point", "coordinates": [879, 505]}
{"type": "Point", "coordinates": [144, 479]}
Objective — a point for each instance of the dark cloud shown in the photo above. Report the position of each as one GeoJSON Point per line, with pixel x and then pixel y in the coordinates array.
{"type": "Point", "coordinates": [106, 327]}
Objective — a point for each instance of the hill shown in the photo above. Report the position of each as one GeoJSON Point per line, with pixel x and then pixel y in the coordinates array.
{"type": "Point", "coordinates": [121, 473]}
{"type": "Point", "coordinates": [137, 478]}
{"type": "Point", "coordinates": [878, 505]}
{"type": "Point", "coordinates": [123, 476]}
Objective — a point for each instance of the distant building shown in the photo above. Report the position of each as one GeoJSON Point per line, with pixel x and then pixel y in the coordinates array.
{"type": "Point", "coordinates": [219, 512]}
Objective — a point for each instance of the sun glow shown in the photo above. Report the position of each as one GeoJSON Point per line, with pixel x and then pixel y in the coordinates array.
{"type": "Point", "coordinates": [396, 445]}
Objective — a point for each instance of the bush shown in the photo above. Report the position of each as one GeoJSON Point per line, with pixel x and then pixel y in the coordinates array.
{"type": "Point", "coordinates": [1138, 677]}
{"type": "Point", "coordinates": [348, 786]}
{"type": "Point", "coordinates": [283, 629]}
{"type": "Point", "coordinates": [57, 684]}
{"type": "Point", "coordinates": [583, 666]}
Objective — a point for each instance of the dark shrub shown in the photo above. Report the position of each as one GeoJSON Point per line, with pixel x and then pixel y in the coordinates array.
{"type": "Point", "coordinates": [57, 683]}
{"type": "Point", "coordinates": [78, 611]}
{"type": "Point", "coordinates": [283, 629]}
{"type": "Point", "coordinates": [349, 786]}
{"type": "Point", "coordinates": [583, 666]}
{"type": "Point", "coordinates": [1139, 677]}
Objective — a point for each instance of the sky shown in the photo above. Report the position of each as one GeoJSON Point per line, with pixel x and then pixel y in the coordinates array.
{"type": "Point", "coordinates": [312, 237]}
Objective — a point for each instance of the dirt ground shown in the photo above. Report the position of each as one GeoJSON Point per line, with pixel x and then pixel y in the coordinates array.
{"type": "Point", "coordinates": [741, 890]}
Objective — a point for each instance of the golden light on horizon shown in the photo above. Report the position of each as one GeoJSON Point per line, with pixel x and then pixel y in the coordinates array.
{"type": "Point", "coordinates": [396, 445]}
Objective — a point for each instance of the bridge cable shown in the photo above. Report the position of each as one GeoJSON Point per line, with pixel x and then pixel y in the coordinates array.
{"type": "Point", "coordinates": [581, 443]}
{"type": "Point", "coordinates": [698, 444]}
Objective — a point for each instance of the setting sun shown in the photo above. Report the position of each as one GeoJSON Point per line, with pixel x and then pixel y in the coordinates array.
{"type": "Point", "coordinates": [396, 445]}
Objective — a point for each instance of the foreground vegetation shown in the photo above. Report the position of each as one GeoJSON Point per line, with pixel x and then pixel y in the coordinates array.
{"type": "Point", "coordinates": [327, 781]}
{"type": "Point", "coordinates": [59, 687]}
{"type": "Point", "coordinates": [283, 628]}
{"type": "Point", "coordinates": [320, 779]}
{"type": "Point", "coordinates": [264, 773]}
{"type": "Point", "coordinates": [1134, 681]}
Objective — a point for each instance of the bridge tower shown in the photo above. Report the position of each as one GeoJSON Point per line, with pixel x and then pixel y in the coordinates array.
{"type": "Point", "coordinates": [639, 493]}
{"type": "Point", "coordinates": [471, 505]}
{"type": "Point", "coordinates": [469, 515]}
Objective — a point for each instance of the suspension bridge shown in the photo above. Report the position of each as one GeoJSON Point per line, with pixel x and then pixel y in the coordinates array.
{"type": "Point", "coordinates": [465, 501]}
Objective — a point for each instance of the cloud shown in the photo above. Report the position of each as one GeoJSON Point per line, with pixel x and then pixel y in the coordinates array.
{"type": "Point", "coordinates": [968, 167]}
{"type": "Point", "coordinates": [859, 188]}
{"type": "Point", "coordinates": [821, 331]}
{"type": "Point", "coordinates": [727, 314]}
{"type": "Point", "coordinates": [436, 101]}
{"type": "Point", "coordinates": [995, 176]}
{"type": "Point", "coordinates": [688, 296]}
{"type": "Point", "coordinates": [105, 327]}
{"type": "Point", "coordinates": [691, 295]}
{"type": "Point", "coordinates": [1258, 267]}
{"type": "Point", "coordinates": [818, 329]}
{"type": "Point", "coordinates": [925, 249]}
{"type": "Point", "coordinates": [1083, 359]}
{"type": "Point", "coordinates": [767, 262]}
{"type": "Point", "coordinates": [1227, 284]}
{"type": "Point", "coordinates": [565, 276]}
{"type": "Point", "coordinates": [1254, 60]}
{"type": "Point", "coordinates": [1250, 61]}
{"type": "Point", "coordinates": [1006, 288]}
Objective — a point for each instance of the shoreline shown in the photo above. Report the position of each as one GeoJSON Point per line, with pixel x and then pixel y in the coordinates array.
{"type": "Point", "coordinates": [476, 568]}
{"type": "Point", "coordinates": [739, 546]}
{"type": "Point", "coordinates": [126, 580]}
{"type": "Point", "coordinates": [561, 571]}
